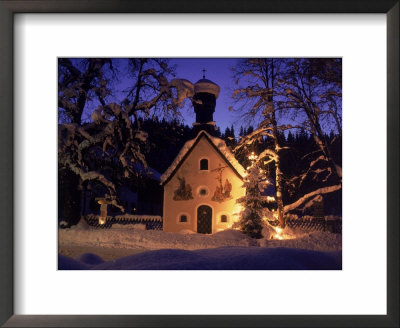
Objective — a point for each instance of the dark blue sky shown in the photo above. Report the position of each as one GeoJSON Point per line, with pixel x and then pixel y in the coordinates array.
{"type": "Point", "coordinates": [218, 70]}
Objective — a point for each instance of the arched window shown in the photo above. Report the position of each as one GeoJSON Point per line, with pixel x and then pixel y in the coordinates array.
{"type": "Point", "coordinates": [183, 218]}
{"type": "Point", "coordinates": [204, 164]}
{"type": "Point", "coordinates": [224, 218]}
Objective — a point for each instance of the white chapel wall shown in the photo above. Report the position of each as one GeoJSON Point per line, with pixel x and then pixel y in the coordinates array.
{"type": "Point", "coordinates": [196, 178]}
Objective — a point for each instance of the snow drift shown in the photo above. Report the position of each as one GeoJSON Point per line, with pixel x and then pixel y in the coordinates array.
{"type": "Point", "coordinates": [223, 258]}
{"type": "Point", "coordinates": [129, 238]}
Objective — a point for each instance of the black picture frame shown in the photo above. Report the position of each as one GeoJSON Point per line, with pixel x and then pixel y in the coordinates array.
{"type": "Point", "coordinates": [10, 7]}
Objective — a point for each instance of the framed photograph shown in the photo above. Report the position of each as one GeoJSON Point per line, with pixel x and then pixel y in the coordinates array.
{"type": "Point", "coordinates": [248, 204]}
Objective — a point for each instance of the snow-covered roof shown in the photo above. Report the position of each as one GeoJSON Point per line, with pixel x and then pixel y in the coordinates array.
{"type": "Point", "coordinates": [207, 86]}
{"type": "Point", "coordinates": [218, 144]}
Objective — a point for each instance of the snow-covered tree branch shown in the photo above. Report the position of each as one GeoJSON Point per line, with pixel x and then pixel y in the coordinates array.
{"type": "Point", "coordinates": [108, 148]}
{"type": "Point", "coordinates": [286, 94]}
{"type": "Point", "coordinates": [320, 191]}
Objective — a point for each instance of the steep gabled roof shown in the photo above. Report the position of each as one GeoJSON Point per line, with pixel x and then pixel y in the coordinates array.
{"type": "Point", "coordinates": [217, 143]}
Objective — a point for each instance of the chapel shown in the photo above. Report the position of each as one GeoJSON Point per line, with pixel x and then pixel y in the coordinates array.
{"type": "Point", "coordinates": [204, 181]}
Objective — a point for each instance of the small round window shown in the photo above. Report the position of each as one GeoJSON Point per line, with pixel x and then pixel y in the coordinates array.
{"type": "Point", "coordinates": [224, 218]}
{"type": "Point", "coordinates": [203, 191]}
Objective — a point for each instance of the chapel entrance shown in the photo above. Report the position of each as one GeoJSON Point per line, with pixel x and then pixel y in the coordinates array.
{"type": "Point", "coordinates": [204, 219]}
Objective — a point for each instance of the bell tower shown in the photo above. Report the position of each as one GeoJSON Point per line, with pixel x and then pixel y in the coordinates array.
{"type": "Point", "coordinates": [204, 101]}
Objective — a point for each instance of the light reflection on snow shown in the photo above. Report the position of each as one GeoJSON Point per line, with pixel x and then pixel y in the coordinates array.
{"type": "Point", "coordinates": [280, 234]}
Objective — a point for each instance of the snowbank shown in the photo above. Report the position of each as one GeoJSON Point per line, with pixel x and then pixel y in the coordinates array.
{"type": "Point", "coordinates": [154, 239]}
{"type": "Point", "coordinates": [225, 250]}
{"type": "Point", "coordinates": [318, 241]}
{"type": "Point", "coordinates": [150, 239]}
{"type": "Point", "coordinates": [224, 258]}
{"type": "Point", "coordinates": [66, 263]}
{"type": "Point", "coordinates": [90, 259]}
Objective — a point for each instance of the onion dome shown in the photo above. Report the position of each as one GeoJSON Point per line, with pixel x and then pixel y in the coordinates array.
{"type": "Point", "coordinates": [206, 86]}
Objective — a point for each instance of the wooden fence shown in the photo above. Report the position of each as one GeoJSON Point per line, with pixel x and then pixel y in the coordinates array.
{"type": "Point", "coordinates": [152, 222]}
{"type": "Point", "coordinates": [313, 224]}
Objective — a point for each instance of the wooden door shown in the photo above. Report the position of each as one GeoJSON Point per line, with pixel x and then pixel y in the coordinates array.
{"type": "Point", "coordinates": [204, 219]}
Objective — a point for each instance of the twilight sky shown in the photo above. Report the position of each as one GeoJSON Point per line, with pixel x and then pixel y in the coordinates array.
{"type": "Point", "coordinates": [218, 70]}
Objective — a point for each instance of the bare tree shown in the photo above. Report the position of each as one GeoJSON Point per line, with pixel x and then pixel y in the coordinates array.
{"type": "Point", "coordinates": [304, 93]}
{"type": "Point", "coordinates": [259, 76]}
{"type": "Point", "coordinates": [313, 87]}
{"type": "Point", "coordinates": [108, 148]}
{"type": "Point", "coordinates": [78, 83]}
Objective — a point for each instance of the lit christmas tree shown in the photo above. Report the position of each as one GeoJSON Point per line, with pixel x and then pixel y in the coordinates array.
{"type": "Point", "coordinates": [251, 222]}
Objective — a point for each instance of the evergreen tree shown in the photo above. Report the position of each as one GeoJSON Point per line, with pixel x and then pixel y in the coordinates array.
{"type": "Point", "coordinates": [218, 132]}
{"type": "Point", "coordinates": [253, 203]}
{"type": "Point", "coordinates": [227, 133]}
{"type": "Point", "coordinates": [290, 138]}
{"type": "Point", "coordinates": [232, 131]}
{"type": "Point", "coordinates": [229, 137]}
{"type": "Point", "coordinates": [263, 86]}
{"type": "Point", "coordinates": [241, 133]}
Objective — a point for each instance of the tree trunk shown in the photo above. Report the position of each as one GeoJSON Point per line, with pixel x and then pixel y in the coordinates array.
{"type": "Point", "coordinates": [69, 182]}
{"type": "Point", "coordinates": [69, 197]}
{"type": "Point", "coordinates": [323, 145]}
{"type": "Point", "coordinates": [278, 173]}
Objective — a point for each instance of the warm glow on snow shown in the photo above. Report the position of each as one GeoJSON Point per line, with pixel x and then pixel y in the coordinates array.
{"type": "Point", "coordinates": [280, 234]}
{"type": "Point", "coordinates": [236, 210]}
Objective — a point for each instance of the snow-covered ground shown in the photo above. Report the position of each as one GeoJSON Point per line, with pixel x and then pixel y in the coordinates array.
{"type": "Point", "coordinates": [134, 237]}
{"type": "Point", "coordinates": [106, 253]}
{"type": "Point", "coordinates": [222, 258]}
{"type": "Point", "coordinates": [229, 249]}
